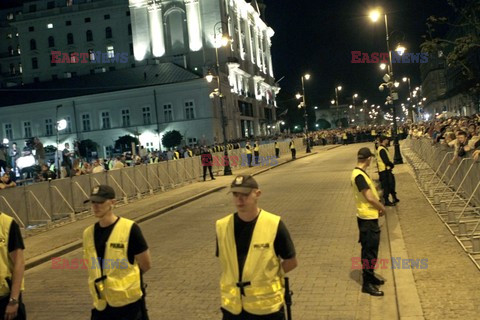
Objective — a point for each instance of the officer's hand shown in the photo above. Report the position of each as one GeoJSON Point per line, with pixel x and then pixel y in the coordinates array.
{"type": "Point", "coordinates": [11, 311]}
{"type": "Point", "coordinates": [381, 213]}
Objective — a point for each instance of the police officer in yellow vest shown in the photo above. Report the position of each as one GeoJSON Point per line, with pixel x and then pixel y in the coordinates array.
{"type": "Point", "coordinates": [369, 208]}
{"type": "Point", "coordinates": [277, 149]}
{"type": "Point", "coordinates": [256, 151]}
{"type": "Point", "coordinates": [248, 150]}
{"type": "Point", "coordinates": [385, 166]}
{"type": "Point", "coordinates": [373, 133]}
{"type": "Point", "coordinates": [292, 149]}
{"type": "Point", "coordinates": [176, 154]}
{"type": "Point", "coordinates": [12, 267]}
{"type": "Point", "coordinates": [255, 251]}
{"type": "Point", "coordinates": [117, 256]}
{"type": "Point", "coordinates": [345, 138]}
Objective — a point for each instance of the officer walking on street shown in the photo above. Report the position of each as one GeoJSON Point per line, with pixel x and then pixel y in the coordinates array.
{"type": "Point", "coordinates": [248, 150]}
{"type": "Point", "coordinates": [207, 162]}
{"type": "Point", "coordinates": [292, 149]}
{"type": "Point", "coordinates": [385, 166]}
{"type": "Point", "coordinates": [277, 149]}
{"type": "Point", "coordinates": [369, 208]}
{"type": "Point", "coordinates": [255, 251]}
{"type": "Point", "coordinates": [117, 256]}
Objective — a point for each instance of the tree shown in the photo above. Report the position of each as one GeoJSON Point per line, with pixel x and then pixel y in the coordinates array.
{"type": "Point", "coordinates": [323, 124]}
{"type": "Point", "coordinates": [50, 149]}
{"type": "Point", "coordinates": [124, 143]}
{"type": "Point", "coordinates": [171, 139]}
{"type": "Point", "coordinates": [86, 147]}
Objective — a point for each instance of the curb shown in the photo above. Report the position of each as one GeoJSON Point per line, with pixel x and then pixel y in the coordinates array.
{"type": "Point", "coordinates": [78, 243]}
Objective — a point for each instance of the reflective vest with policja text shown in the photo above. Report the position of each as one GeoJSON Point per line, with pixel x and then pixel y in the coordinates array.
{"type": "Point", "coordinates": [262, 273]}
{"type": "Point", "coordinates": [365, 210]}
{"type": "Point", "coordinates": [381, 165]}
{"type": "Point", "coordinates": [6, 264]}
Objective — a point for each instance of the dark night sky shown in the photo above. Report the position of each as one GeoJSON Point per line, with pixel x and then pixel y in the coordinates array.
{"type": "Point", "coordinates": [318, 36]}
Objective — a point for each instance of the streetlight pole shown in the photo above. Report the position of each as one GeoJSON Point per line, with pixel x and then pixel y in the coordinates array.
{"type": "Point", "coordinates": [305, 114]}
{"type": "Point", "coordinates": [410, 111]}
{"type": "Point", "coordinates": [58, 140]}
{"type": "Point", "coordinates": [227, 169]}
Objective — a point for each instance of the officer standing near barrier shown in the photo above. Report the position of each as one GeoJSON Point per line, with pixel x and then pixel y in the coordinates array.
{"type": "Point", "coordinates": [385, 166]}
{"type": "Point", "coordinates": [12, 268]}
{"type": "Point", "coordinates": [207, 162]}
{"type": "Point", "coordinates": [277, 149]}
{"type": "Point", "coordinates": [117, 256]}
{"type": "Point", "coordinates": [256, 151]}
{"type": "Point", "coordinates": [248, 150]}
{"type": "Point", "coordinates": [369, 208]}
{"type": "Point", "coordinates": [255, 252]}
{"type": "Point", "coordinates": [292, 149]}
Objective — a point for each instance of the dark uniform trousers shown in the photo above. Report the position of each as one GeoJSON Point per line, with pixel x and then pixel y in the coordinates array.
{"type": "Point", "coordinates": [294, 153]}
{"type": "Point", "coordinates": [277, 153]}
{"type": "Point", "coordinates": [132, 311]}
{"type": "Point", "coordinates": [205, 172]}
{"type": "Point", "coordinates": [370, 240]}
{"type": "Point", "coordinates": [280, 315]}
{"type": "Point", "coordinates": [249, 159]}
{"type": "Point", "coordinates": [257, 155]}
{"type": "Point", "coordinates": [387, 180]}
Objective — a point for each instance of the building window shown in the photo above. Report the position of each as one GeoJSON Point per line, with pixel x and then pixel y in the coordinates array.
{"type": "Point", "coordinates": [108, 33]}
{"type": "Point", "coordinates": [146, 115]}
{"type": "Point", "coordinates": [168, 112]}
{"type": "Point", "coordinates": [51, 42]}
{"type": "Point", "coordinates": [31, 29]}
{"type": "Point", "coordinates": [68, 129]}
{"type": "Point", "coordinates": [69, 3]}
{"type": "Point", "coordinates": [86, 122]}
{"type": "Point", "coordinates": [10, 50]}
{"type": "Point", "coordinates": [91, 54]}
{"type": "Point", "coordinates": [68, 23]}
{"type": "Point", "coordinates": [20, 68]}
{"type": "Point", "coordinates": [33, 44]}
{"type": "Point", "coordinates": [10, 16]}
{"type": "Point", "coordinates": [50, 4]}
{"type": "Point", "coordinates": [105, 120]}
{"type": "Point", "coordinates": [27, 129]}
{"type": "Point", "coordinates": [189, 110]}
{"type": "Point", "coordinates": [87, 20]}
{"type": "Point", "coordinates": [192, 142]}
{"type": "Point", "coordinates": [70, 38]}
{"type": "Point", "coordinates": [12, 69]}
{"type": "Point", "coordinates": [49, 127]}
{"type": "Point", "coordinates": [126, 118]}
{"type": "Point", "coordinates": [52, 63]}
{"type": "Point", "coordinates": [129, 29]}
{"type": "Point", "coordinates": [89, 35]}
{"type": "Point", "coordinates": [8, 131]}
{"type": "Point", "coordinates": [106, 17]}
{"type": "Point", "coordinates": [32, 8]}
{"type": "Point", "coordinates": [50, 26]}
{"type": "Point", "coordinates": [110, 52]}
{"type": "Point", "coordinates": [34, 63]}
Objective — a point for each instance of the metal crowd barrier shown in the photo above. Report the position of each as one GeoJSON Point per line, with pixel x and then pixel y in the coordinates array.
{"type": "Point", "coordinates": [453, 189]}
{"type": "Point", "coordinates": [42, 203]}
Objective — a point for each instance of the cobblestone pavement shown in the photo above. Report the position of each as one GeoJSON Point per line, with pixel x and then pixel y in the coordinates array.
{"type": "Point", "coordinates": [449, 288]}
{"type": "Point", "coordinates": [312, 195]}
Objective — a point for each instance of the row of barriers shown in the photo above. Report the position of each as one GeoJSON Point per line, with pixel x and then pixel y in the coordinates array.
{"type": "Point", "coordinates": [42, 203]}
{"type": "Point", "coordinates": [453, 189]}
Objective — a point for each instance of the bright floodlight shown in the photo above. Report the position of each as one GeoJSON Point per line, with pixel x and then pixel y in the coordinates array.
{"type": "Point", "coordinates": [298, 96]}
{"type": "Point", "coordinates": [355, 95]}
{"type": "Point", "coordinates": [365, 101]}
{"type": "Point", "coordinates": [424, 99]}
{"type": "Point", "coordinates": [209, 77]}
{"type": "Point", "coordinates": [5, 141]}
{"type": "Point", "coordinates": [396, 84]}
{"type": "Point", "coordinates": [307, 76]}
{"type": "Point", "coordinates": [405, 79]}
{"type": "Point", "coordinates": [383, 66]}
{"type": "Point", "coordinates": [374, 15]}
{"type": "Point", "coordinates": [339, 88]}
{"type": "Point", "coordinates": [400, 49]}
{"type": "Point", "coordinates": [62, 124]}
{"type": "Point", "coordinates": [333, 101]}
{"type": "Point", "coordinates": [224, 41]}
{"type": "Point", "coordinates": [350, 106]}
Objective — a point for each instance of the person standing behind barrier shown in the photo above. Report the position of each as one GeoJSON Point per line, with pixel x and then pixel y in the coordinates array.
{"type": "Point", "coordinates": [256, 151]}
{"type": "Point", "coordinates": [345, 138]}
{"type": "Point", "coordinates": [373, 134]}
{"type": "Point", "coordinates": [292, 149]}
{"type": "Point", "coordinates": [117, 256]}
{"type": "Point", "coordinates": [385, 166]}
{"type": "Point", "coordinates": [255, 251]}
{"type": "Point", "coordinates": [12, 268]}
{"type": "Point", "coordinates": [369, 208]}
{"type": "Point", "coordinates": [248, 150]}
{"type": "Point", "coordinates": [66, 160]}
{"type": "Point", "coordinates": [277, 149]}
{"type": "Point", "coordinates": [207, 162]}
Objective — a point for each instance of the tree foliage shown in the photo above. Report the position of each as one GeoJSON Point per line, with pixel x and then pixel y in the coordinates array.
{"type": "Point", "coordinates": [323, 124]}
{"type": "Point", "coordinates": [86, 146]}
{"type": "Point", "coordinates": [124, 143]}
{"type": "Point", "coordinates": [172, 139]}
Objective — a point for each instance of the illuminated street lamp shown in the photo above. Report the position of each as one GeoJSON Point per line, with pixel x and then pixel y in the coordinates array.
{"type": "Point", "coordinates": [304, 105]}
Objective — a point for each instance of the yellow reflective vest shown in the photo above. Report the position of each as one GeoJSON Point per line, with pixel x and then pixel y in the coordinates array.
{"type": "Point", "coordinates": [292, 145]}
{"type": "Point", "coordinates": [248, 149]}
{"type": "Point", "coordinates": [256, 147]}
{"type": "Point", "coordinates": [365, 210]}
{"type": "Point", "coordinates": [6, 264]}
{"type": "Point", "coordinates": [176, 155]}
{"type": "Point", "coordinates": [373, 133]}
{"type": "Point", "coordinates": [119, 283]}
{"type": "Point", "coordinates": [344, 136]}
{"type": "Point", "coordinates": [389, 133]}
{"type": "Point", "coordinates": [262, 273]}
{"type": "Point", "coordinates": [276, 145]}
{"type": "Point", "coordinates": [381, 165]}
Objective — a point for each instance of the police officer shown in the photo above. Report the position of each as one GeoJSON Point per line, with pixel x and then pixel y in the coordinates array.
{"type": "Point", "coordinates": [385, 166]}
{"type": "Point", "coordinates": [256, 151]}
{"type": "Point", "coordinates": [248, 150]}
{"type": "Point", "coordinates": [292, 149]}
{"type": "Point", "coordinates": [207, 162]}
{"type": "Point", "coordinates": [117, 256]}
{"type": "Point", "coordinates": [369, 208]}
{"type": "Point", "coordinates": [12, 267]}
{"type": "Point", "coordinates": [176, 154]}
{"type": "Point", "coordinates": [277, 149]}
{"type": "Point", "coordinates": [255, 251]}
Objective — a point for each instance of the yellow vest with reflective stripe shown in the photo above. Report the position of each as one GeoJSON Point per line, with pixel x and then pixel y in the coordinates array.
{"type": "Point", "coordinates": [276, 145]}
{"type": "Point", "coordinates": [365, 210]}
{"type": "Point", "coordinates": [248, 149]}
{"type": "Point", "coordinates": [6, 263]}
{"type": "Point", "coordinates": [381, 165]}
{"type": "Point", "coordinates": [190, 153]}
{"type": "Point", "coordinates": [344, 136]}
{"type": "Point", "coordinates": [374, 133]}
{"type": "Point", "coordinates": [292, 145]}
{"type": "Point", "coordinates": [256, 148]}
{"type": "Point", "coordinates": [265, 293]}
{"type": "Point", "coordinates": [176, 155]}
{"type": "Point", "coordinates": [389, 133]}
{"type": "Point", "coordinates": [122, 283]}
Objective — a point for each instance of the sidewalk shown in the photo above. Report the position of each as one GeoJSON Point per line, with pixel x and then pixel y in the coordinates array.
{"type": "Point", "coordinates": [66, 237]}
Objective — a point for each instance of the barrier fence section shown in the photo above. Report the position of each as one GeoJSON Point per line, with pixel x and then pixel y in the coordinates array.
{"type": "Point", "coordinates": [451, 187]}
{"type": "Point", "coordinates": [42, 203]}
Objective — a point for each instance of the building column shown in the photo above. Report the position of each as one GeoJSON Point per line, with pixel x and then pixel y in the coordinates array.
{"type": "Point", "coordinates": [140, 29]}
{"type": "Point", "coordinates": [156, 29]}
{"type": "Point", "coordinates": [194, 25]}
{"type": "Point", "coordinates": [268, 50]}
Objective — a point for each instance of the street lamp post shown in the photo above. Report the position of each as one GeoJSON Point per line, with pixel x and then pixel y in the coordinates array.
{"type": "Point", "coordinates": [57, 129]}
{"type": "Point", "coordinates": [218, 43]}
{"type": "Point", "coordinates": [338, 88]}
{"type": "Point", "coordinates": [397, 157]}
{"type": "Point", "coordinates": [303, 104]}
{"type": "Point", "coordinates": [410, 109]}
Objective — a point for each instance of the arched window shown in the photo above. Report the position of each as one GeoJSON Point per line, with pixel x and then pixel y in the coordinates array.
{"type": "Point", "coordinates": [10, 50]}
{"type": "Point", "coordinates": [51, 42]}
{"type": "Point", "coordinates": [108, 33]}
{"type": "Point", "coordinates": [89, 35]}
{"type": "Point", "coordinates": [69, 38]}
{"type": "Point", "coordinates": [33, 44]}
{"type": "Point", "coordinates": [176, 31]}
